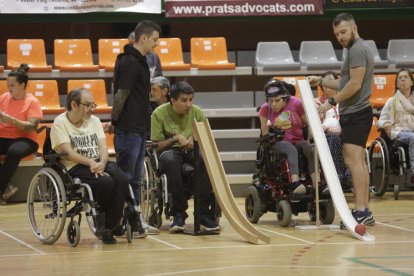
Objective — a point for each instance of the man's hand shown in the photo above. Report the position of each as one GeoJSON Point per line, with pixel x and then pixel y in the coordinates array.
{"type": "Point", "coordinates": [314, 80]}
{"type": "Point", "coordinates": [190, 144]}
{"type": "Point", "coordinates": [323, 108]}
{"type": "Point", "coordinates": [108, 127]}
{"type": "Point", "coordinates": [97, 168]}
{"type": "Point", "coordinates": [387, 128]}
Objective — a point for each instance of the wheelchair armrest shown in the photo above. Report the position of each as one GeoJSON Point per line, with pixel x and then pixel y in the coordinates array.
{"type": "Point", "coordinates": [53, 157]}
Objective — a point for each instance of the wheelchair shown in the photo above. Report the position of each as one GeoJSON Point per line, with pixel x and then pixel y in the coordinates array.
{"type": "Point", "coordinates": [388, 164]}
{"type": "Point", "coordinates": [270, 188]}
{"type": "Point", "coordinates": [53, 195]}
{"type": "Point", "coordinates": [155, 196]}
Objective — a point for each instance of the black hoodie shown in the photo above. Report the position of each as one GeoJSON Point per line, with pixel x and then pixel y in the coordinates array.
{"type": "Point", "coordinates": [132, 73]}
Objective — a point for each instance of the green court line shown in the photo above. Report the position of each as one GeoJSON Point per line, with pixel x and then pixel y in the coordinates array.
{"type": "Point", "coordinates": [393, 271]}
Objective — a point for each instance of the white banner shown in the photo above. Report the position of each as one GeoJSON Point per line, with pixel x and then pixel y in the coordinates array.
{"type": "Point", "coordinates": [79, 6]}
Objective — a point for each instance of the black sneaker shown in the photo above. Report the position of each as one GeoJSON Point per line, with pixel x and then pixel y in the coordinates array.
{"type": "Point", "coordinates": [108, 238]}
{"type": "Point", "coordinates": [119, 231]}
{"type": "Point", "coordinates": [362, 217]}
{"type": "Point", "coordinates": [208, 224]}
{"type": "Point", "coordinates": [178, 225]}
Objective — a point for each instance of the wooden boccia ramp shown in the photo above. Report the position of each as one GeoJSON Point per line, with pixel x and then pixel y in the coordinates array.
{"type": "Point", "coordinates": [224, 196]}
{"type": "Point", "coordinates": [328, 166]}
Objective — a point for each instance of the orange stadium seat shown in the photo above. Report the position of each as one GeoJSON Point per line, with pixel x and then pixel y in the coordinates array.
{"type": "Point", "coordinates": [74, 55]}
{"type": "Point", "coordinates": [108, 49]}
{"type": "Point", "coordinates": [98, 89]}
{"type": "Point", "coordinates": [382, 89]}
{"type": "Point", "coordinates": [30, 51]}
{"type": "Point", "coordinates": [48, 94]}
{"type": "Point", "coordinates": [1, 68]}
{"type": "Point", "coordinates": [171, 54]}
{"type": "Point", "coordinates": [3, 86]}
{"type": "Point", "coordinates": [210, 53]}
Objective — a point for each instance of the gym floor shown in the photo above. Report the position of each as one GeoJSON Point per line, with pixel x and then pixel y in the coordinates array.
{"type": "Point", "coordinates": [291, 252]}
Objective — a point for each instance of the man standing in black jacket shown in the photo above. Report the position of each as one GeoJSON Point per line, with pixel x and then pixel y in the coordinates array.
{"type": "Point", "coordinates": [130, 111]}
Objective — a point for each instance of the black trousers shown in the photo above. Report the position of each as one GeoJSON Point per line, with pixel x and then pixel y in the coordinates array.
{"type": "Point", "coordinates": [181, 188]}
{"type": "Point", "coordinates": [15, 150]}
{"type": "Point", "coordinates": [109, 191]}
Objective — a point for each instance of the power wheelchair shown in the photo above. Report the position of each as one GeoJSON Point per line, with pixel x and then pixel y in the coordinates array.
{"type": "Point", "coordinates": [270, 190]}
{"type": "Point", "coordinates": [155, 196]}
{"type": "Point", "coordinates": [388, 163]}
{"type": "Point", "coordinates": [52, 191]}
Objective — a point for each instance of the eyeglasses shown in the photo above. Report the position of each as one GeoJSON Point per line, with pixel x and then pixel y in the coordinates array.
{"type": "Point", "coordinates": [90, 105]}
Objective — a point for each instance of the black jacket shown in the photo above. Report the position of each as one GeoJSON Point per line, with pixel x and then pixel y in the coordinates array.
{"type": "Point", "coordinates": [132, 73]}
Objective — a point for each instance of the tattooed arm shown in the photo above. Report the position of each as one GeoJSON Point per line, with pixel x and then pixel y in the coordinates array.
{"type": "Point", "coordinates": [119, 101]}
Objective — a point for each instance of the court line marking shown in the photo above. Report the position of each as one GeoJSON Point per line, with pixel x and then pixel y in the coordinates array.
{"type": "Point", "coordinates": [393, 226]}
{"type": "Point", "coordinates": [271, 266]}
{"type": "Point", "coordinates": [395, 271]}
{"type": "Point", "coordinates": [22, 242]}
{"type": "Point", "coordinates": [164, 242]}
{"type": "Point", "coordinates": [285, 235]}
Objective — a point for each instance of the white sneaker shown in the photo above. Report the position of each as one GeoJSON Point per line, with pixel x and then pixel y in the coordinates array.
{"type": "Point", "coordinates": [9, 191]}
{"type": "Point", "coordinates": [148, 228]}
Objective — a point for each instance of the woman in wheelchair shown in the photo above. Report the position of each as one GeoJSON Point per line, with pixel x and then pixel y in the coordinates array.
{"type": "Point", "coordinates": [80, 135]}
{"type": "Point", "coordinates": [20, 113]}
{"type": "Point", "coordinates": [286, 112]}
{"type": "Point", "coordinates": [397, 116]}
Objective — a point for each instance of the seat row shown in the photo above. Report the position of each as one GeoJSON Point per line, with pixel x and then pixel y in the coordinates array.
{"type": "Point", "coordinates": [76, 54]}
{"type": "Point", "coordinates": [276, 55]}
{"type": "Point", "coordinates": [207, 53]}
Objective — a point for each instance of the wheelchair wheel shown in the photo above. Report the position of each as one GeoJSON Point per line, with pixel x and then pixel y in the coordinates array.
{"type": "Point", "coordinates": [284, 213]}
{"type": "Point", "coordinates": [252, 205]}
{"type": "Point", "coordinates": [129, 234]}
{"type": "Point", "coordinates": [379, 165]}
{"type": "Point", "coordinates": [46, 203]}
{"type": "Point", "coordinates": [327, 212]}
{"type": "Point", "coordinates": [396, 191]}
{"type": "Point", "coordinates": [73, 233]}
{"type": "Point", "coordinates": [146, 180]}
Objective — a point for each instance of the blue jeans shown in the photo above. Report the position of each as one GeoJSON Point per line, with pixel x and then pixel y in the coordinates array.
{"type": "Point", "coordinates": [130, 149]}
{"type": "Point", "coordinates": [407, 138]}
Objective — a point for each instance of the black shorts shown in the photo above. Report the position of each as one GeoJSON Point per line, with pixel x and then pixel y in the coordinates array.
{"type": "Point", "coordinates": [356, 127]}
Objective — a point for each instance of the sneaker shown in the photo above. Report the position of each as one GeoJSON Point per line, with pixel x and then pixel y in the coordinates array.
{"type": "Point", "coordinates": [108, 238]}
{"type": "Point", "coordinates": [9, 191]}
{"type": "Point", "coordinates": [2, 201]}
{"type": "Point", "coordinates": [150, 230]}
{"type": "Point", "coordinates": [298, 188]}
{"type": "Point", "coordinates": [140, 234]}
{"type": "Point", "coordinates": [119, 231]}
{"type": "Point", "coordinates": [208, 224]}
{"type": "Point", "coordinates": [362, 217]}
{"type": "Point", "coordinates": [178, 225]}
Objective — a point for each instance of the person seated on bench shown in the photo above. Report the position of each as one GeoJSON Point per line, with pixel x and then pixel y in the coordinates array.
{"type": "Point", "coordinates": [332, 128]}
{"type": "Point", "coordinates": [79, 134]}
{"type": "Point", "coordinates": [171, 127]}
{"type": "Point", "coordinates": [397, 116]}
{"type": "Point", "coordinates": [281, 110]}
{"type": "Point", "coordinates": [20, 113]}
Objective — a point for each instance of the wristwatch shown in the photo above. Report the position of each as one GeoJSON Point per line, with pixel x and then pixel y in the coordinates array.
{"type": "Point", "coordinates": [332, 101]}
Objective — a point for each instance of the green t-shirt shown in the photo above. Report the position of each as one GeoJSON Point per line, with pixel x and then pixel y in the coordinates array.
{"type": "Point", "coordinates": [165, 123]}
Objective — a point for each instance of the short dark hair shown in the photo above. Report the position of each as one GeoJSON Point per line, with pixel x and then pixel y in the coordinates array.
{"type": "Point", "coordinates": [409, 74]}
{"type": "Point", "coordinates": [342, 17]}
{"type": "Point", "coordinates": [146, 27]}
{"type": "Point", "coordinates": [180, 87]}
{"type": "Point", "coordinates": [74, 95]}
{"type": "Point", "coordinates": [20, 73]}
